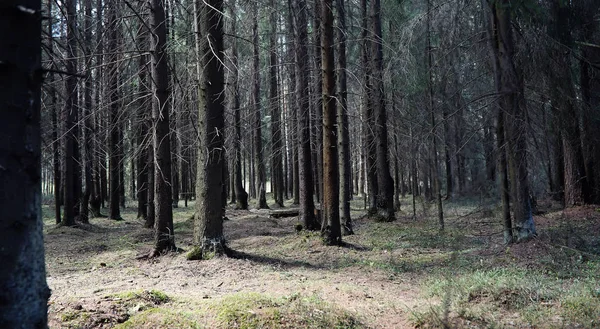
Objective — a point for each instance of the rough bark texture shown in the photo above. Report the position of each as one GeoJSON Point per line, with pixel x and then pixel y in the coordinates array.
{"type": "Point", "coordinates": [342, 123]}
{"type": "Point", "coordinates": [332, 234]}
{"type": "Point", "coordinates": [307, 207]}
{"type": "Point", "coordinates": [164, 238]}
{"type": "Point", "coordinates": [385, 183]}
{"type": "Point", "coordinates": [208, 224]}
{"type": "Point", "coordinates": [23, 289]}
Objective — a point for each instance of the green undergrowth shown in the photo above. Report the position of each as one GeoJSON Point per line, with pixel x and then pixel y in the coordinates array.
{"type": "Point", "coordinates": [244, 311]}
{"type": "Point", "coordinates": [498, 297]}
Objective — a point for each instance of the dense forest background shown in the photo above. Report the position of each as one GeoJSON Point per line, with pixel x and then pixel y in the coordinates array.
{"type": "Point", "coordinates": [433, 99]}
{"type": "Point", "coordinates": [312, 109]}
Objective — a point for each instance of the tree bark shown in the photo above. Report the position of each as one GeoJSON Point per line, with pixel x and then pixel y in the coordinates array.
{"type": "Point", "coordinates": [368, 116]}
{"type": "Point", "coordinates": [208, 224]}
{"type": "Point", "coordinates": [385, 183]}
{"type": "Point", "coordinates": [113, 85]}
{"type": "Point", "coordinates": [276, 147]}
{"type": "Point", "coordinates": [259, 165]}
{"type": "Point", "coordinates": [306, 188]}
{"type": "Point", "coordinates": [331, 194]}
{"type": "Point", "coordinates": [342, 123]}
{"type": "Point", "coordinates": [164, 238]}
{"type": "Point", "coordinates": [23, 289]}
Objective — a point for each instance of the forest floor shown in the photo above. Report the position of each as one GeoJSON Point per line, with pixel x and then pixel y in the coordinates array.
{"type": "Point", "coordinates": [402, 274]}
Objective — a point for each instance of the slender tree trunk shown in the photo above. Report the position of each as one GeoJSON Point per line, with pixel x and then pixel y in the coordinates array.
{"type": "Point", "coordinates": [434, 158]}
{"type": "Point", "coordinates": [70, 119]}
{"type": "Point", "coordinates": [88, 136]}
{"type": "Point", "coordinates": [164, 239]}
{"type": "Point", "coordinates": [24, 292]}
{"type": "Point", "coordinates": [368, 116]}
{"type": "Point", "coordinates": [55, 126]}
{"type": "Point", "coordinates": [307, 207]}
{"type": "Point", "coordinates": [241, 196]}
{"type": "Point", "coordinates": [342, 123]}
{"type": "Point", "coordinates": [259, 166]}
{"type": "Point", "coordinates": [385, 183]}
{"type": "Point", "coordinates": [143, 127]}
{"type": "Point", "coordinates": [113, 85]}
{"type": "Point", "coordinates": [318, 102]}
{"type": "Point", "coordinates": [276, 147]}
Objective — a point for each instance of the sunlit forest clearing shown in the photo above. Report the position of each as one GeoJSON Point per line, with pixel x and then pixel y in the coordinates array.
{"type": "Point", "coordinates": [389, 275]}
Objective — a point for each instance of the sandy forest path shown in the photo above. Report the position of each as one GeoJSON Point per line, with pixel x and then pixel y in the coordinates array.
{"type": "Point", "coordinates": [87, 265]}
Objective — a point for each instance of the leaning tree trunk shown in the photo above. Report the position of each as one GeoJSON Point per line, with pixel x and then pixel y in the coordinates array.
{"type": "Point", "coordinates": [208, 224]}
{"type": "Point", "coordinates": [342, 123]}
{"type": "Point", "coordinates": [23, 289]}
{"type": "Point", "coordinates": [306, 188]}
{"type": "Point", "coordinates": [164, 238]}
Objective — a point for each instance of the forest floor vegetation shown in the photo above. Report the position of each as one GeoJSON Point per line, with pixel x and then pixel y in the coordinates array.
{"type": "Point", "coordinates": [402, 274]}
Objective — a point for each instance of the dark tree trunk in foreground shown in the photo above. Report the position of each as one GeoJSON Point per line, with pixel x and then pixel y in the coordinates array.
{"type": "Point", "coordinates": [23, 289]}
{"type": "Point", "coordinates": [164, 239]}
{"type": "Point", "coordinates": [385, 183]}
{"type": "Point", "coordinates": [208, 224]}
{"type": "Point", "coordinates": [307, 206]}
{"type": "Point", "coordinates": [113, 145]}
{"type": "Point", "coordinates": [332, 234]}
{"type": "Point", "coordinates": [259, 165]}
{"type": "Point", "coordinates": [342, 123]}
{"type": "Point", "coordinates": [241, 197]}
{"type": "Point", "coordinates": [511, 103]}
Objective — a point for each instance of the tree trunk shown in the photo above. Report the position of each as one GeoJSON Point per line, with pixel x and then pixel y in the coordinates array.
{"type": "Point", "coordinates": [307, 207]}
{"type": "Point", "coordinates": [143, 127]}
{"type": "Point", "coordinates": [512, 104]}
{"type": "Point", "coordinates": [276, 147]}
{"type": "Point", "coordinates": [164, 239]}
{"type": "Point", "coordinates": [88, 136]}
{"type": "Point", "coordinates": [385, 183]}
{"type": "Point", "coordinates": [208, 224]}
{"type": "Point", "coordinates": [23, 289]}
{"type": "Point", "coordinates": [342, 123]}
{"type": "Point", "coordinates": [55, 126]}
{"type": "Point", "coordinates": [331, 194]}
{"type": "Point", "coordinates": [70, 119]}
{"type": "Point", "coordinates": [241, 197]}
{"type": "Point", "coordinates": [259, 165]}
{"type": "Point", "coordinates": [113, 85]}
